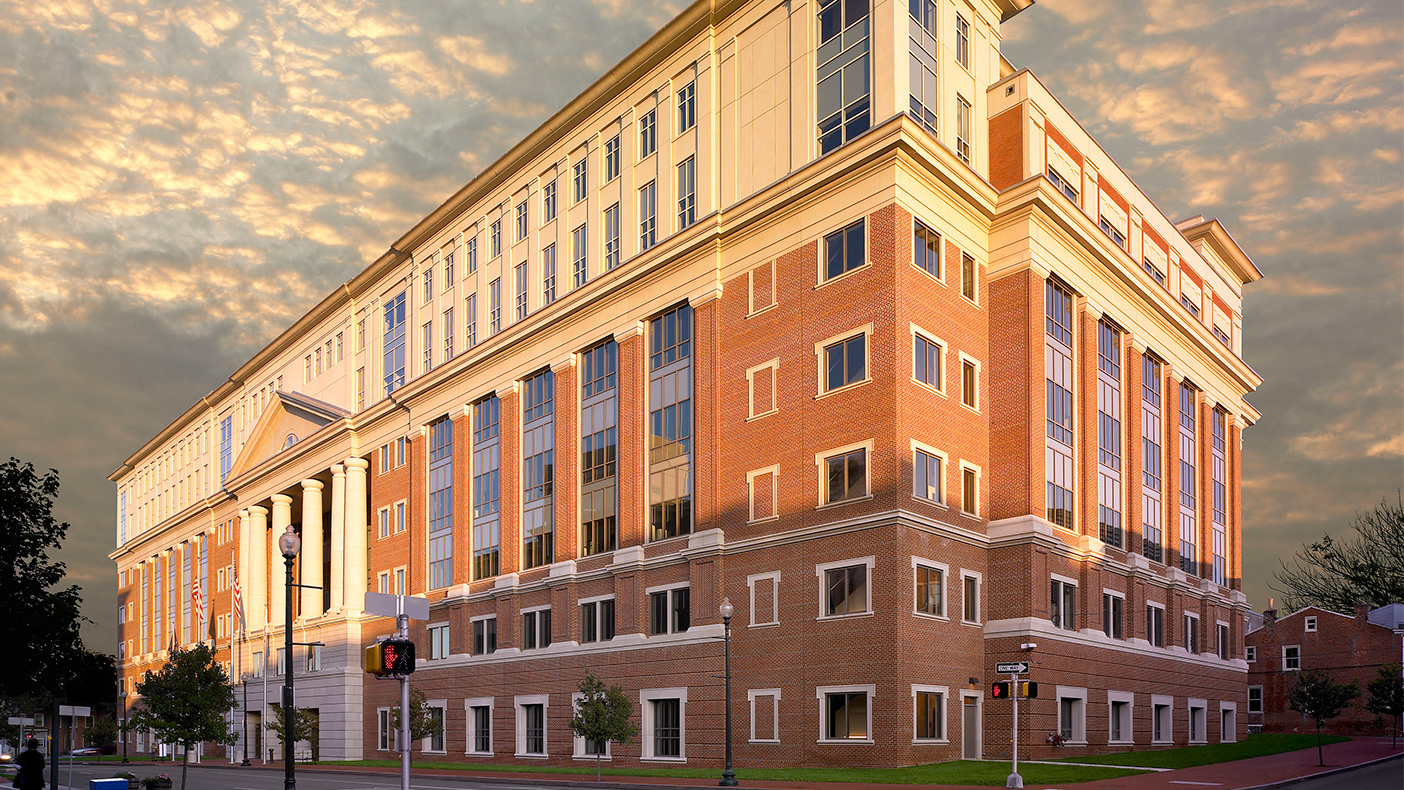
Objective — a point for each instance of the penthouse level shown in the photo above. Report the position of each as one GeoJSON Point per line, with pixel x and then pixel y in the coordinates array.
{"type": "Point", "coordinates": [793, 362]}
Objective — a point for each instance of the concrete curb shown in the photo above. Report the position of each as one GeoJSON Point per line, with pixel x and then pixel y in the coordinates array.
{"type": "Point", "coordinates": [1321, 774]}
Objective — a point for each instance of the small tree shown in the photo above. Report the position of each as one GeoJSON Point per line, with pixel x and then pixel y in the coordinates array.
{"type": "Point", "coordinates": [184, 702]}
{"type": "Point", "coordinates": [602, 715]}
{"type": "Point", "coordinates": [1316, 695]}
{"type": "Point", "coordinates": [1387, 697]}
{"type": "Point", "coordinates": [422, 722]}
{"type": "Point", "coordinates": [307, 727]}
{"type": "Point", "coordinates": [102, 733]}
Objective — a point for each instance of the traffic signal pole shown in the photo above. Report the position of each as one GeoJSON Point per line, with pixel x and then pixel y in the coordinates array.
{"type": "Point", "coordinates": [402, 632]}
{"type": "Point", "coordinates": [1015, 780]}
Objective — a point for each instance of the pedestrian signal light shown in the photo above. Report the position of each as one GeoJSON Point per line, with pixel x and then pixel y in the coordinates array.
{"type": "Point", "coordinates": [391, 657]}
{"type": "Point", "coordinates": [1000, 690]}
{"type": "Point", "coordinates": [1028, 689]}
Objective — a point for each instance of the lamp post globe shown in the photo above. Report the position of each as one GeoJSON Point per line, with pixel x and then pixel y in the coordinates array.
{"type": "Point", "coordinates": [727, 610]}
{"type": "Point", "coordinates": [289, 543]}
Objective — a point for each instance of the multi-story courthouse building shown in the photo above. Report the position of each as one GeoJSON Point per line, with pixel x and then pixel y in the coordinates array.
{"type": "Point", "coordinates": [821, 307]}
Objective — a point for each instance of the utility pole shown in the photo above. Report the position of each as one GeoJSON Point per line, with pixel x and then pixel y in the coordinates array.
{"type": "Point", "coordinates": [402, 632]}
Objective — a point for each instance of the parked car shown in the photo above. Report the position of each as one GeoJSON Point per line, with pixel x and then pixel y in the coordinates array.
{"type": "Point", "coordinates": [6, 759]}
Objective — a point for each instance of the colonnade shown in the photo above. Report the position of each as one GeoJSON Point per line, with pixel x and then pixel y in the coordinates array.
{"type": "Point", "coordinates": [260, 560]}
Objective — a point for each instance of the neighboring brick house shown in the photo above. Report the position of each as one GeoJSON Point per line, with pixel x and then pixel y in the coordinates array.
{"type": "Point", "coordinates": [1348, 648]}
{"type": "Point", "coordinates": [744, 321]}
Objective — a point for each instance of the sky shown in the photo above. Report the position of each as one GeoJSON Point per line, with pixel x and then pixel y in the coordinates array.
{"type": "Point", "coordinates": [181, 181]}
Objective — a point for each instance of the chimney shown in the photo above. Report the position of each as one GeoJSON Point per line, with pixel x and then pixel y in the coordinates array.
{"type": "Point", "coordinates": [1269, 616]}
{"type": "Point", "coordinates": [1362, 613]}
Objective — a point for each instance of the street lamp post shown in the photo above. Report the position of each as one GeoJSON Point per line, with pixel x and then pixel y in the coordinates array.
{"type": "Point", "coordinates": [289, 544]}
{"type": "Point", "coordinates": [122, 695]}
{"type": "Point", "coordinates": [244, 679]}
{"type": "Point", "coordinates": [727, 610]}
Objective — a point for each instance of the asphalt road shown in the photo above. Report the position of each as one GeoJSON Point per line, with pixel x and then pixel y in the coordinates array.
{"type": "Point", "coordinates": [265, 779]}
{"type": "Point", "coordinates": [1388, 775]}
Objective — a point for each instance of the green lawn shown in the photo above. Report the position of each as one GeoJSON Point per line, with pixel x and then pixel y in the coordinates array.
{"type": "Point", "coordinates": [1188, 757]}
{"type": "Point", "coordinates": [964, 772]}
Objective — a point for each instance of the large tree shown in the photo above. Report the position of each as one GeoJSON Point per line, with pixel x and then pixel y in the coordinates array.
{"type": "Point", "coordinates": [44, 616]}
{"type": "Point", "coordinates": [185, 701]}
{"type": "Point", "coordinates": [602, 715]}
{"type": "Point", "coordinates": [1319, 697]}
{"type": "Point", "coordinates": [1337, 574]}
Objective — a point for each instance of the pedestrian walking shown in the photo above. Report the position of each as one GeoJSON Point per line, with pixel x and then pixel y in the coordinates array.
{"type": "Point", "coordinates": [30, 775]}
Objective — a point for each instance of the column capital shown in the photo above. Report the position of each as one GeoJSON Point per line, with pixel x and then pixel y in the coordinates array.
{"type": "Point", "coordinates": [312, 484]}
{"type": "Point", "coordinates": [1136, 342]}
{"type": "Point", "coordinates": [1092, 309]}
{"type": "Point", "coordinates": [258, 511]}
{"type": "Point", "coordinates": [356, 463]}
{"type": "Point", "coordinates": [243, 513]}
{"type": "Point", "coordinates": [281, 499]}
{"type": "Point", "coordinates": [338, 470]}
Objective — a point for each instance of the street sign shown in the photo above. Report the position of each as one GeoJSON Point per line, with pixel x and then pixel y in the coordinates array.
{"type": "Point", "coordinates": [75, 710]}
{"type": "Point", "coordinates": [1009, 668]}
{"type": "Point", "coordinates": [396, 605]}
{"type": "Point", "coordinates": [22, 720]}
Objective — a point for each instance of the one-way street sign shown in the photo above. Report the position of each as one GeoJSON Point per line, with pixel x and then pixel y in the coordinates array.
{"type": "Point", "coordinates": [1012, 668]}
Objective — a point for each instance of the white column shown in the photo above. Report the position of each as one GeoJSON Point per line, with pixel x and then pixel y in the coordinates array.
{"type": "Point", "coordinates": [355, 566]}
{"type": "Point", "coordinates": [277, 588]}
{"type": "Point", "coordinates": [338, 538]}
{"type": "Point", "coordinates": [310, 563]}
{"type": "Point", "coordinates": [255, 586]}
{"type": "Point", "coordinates": [242, 570]}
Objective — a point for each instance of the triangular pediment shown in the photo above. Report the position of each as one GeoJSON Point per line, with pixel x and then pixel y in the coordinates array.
{"type": "Point", "coordinates": [289, 418]}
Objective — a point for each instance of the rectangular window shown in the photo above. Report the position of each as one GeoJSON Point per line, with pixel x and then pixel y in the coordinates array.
{"type": "Point", "coordinates": [428, 289]}
{"type": "Point", "coordinates": [579, 267]}
{"type": "Point", "coordinates": [597, 621]}
{"type": "Point", "coordinates": [548, 274]}
{"type": "Point", "coordinates": [648, 232]}
{"type": "Point", "coordinates": [472, 255]}
{"type": "Point", "coordinates": [926, 356]}
{"type": "Point", "coordinates": [1063, 603]}
{"type": "Point", "coordinates": [495, 306]}
{"type": "Point", "coordinates": [226, 448]}
{"type": "Point", "coordinates": [927, 476]}
{"type": "Point", "coordinates": [670, 611]}
{"type": "Point", "coordinates": [384, 738]}
{"type": "Point", "coordinates": [922, 48]}
{"type": "Point", "coordinates": [968, 276]}
{"type": "Point", "coordinates": [536, 629]}
{"type": "Point", "coordinates": [485, 636]}
{"type": "Point", "coordinates": [846, 590]}
{"type": "Point", "coordinates": [470, 320]}
{"type": "Point", "coordinates": [845, 362]}
{"type": "Point", "coordinates": [846, 476]}
{"type": "Point", "coordinates": [448, 283]}
{"type": "Point", "coordinates": [435, 741]}
{"type": "Point", "coordinates": [667, 727]}
{"type": "Point", "coordinates": [448, 334]}
{"type": "Point", "coordinates": [611, 159]}
{"type": "Point", "coordinates": [538, 469]}
{"type": "Point", "coordinates": [930, 715]}
{"type": "Point", "coordinates": [1221, 632]}
{"type": "Point", "coordinates": [846, 716]}
{"type": "Point", "coordinates": [1152, 506]}
{"type": "Point", "coordinates": [548, 201]}
{"type": "Point", "coordinates": [687, 193]}
{"type": "Point", "coordinates": [521, 273]}
{"type": "Point", "coordinates": [1309, 624]}
{"type": "Point", "coordinates": [1255, 699]}
{"type": "Point", "coordinates": [1188, 485]}
{"type": "Point", "coordinates": [963, 129]}
{"type": "Point", "coordinates": [534, 731]}
{"type": "Point", "coordinates": [438, 642]}
{"type": "Point", "coordinates": [969, 491]}
{"type": "Point", "coordinates": [1250, 653]}
{"type": "Point", "coordinates": [1109, 434]}
{"type": "Point", "coordinates": [487, 483]}
{"type": "Point", "coordinates": [581, 179]}
{"type": "Point", "coordinates": [426, 346]}
{"type": "Point", "coordinates": [648, 133]}
{"type": "Point", "coordinates": [1160, 722]}
{"type": "Point", "coordinates": [970, 612]}
{"type": "Point", "coordinates": [1113, 607]}
{"type": "Point", "coordinates": [845, 250]}
{"type": "Point", "coordinates": [962, 43]}
{"type": "Point", "coordinates": [1218, 519]}
{"type": "Point", "coordinates": [599, 441]}
{"type": "Point", "coordinates": [1059, 403]}
{"type": "Point", "coordinates": [1192, 634]}
{"type": "Point", "coordinates": [969, 384]}
{"type": "Point", "coordinates": [440, 503]}
{"type": "Point", "coordinates": [1155, 626]}
{"type": "Point", "coordinates": [926, 250]}
{"type": "Point", "coordinates": [393, 358]}
{"type": "Point", "coordinates": [611, 237]}
{"type": "Point", "coordinates": [687, 107]}
{"type": "Point", "coordinates": [1292, 657]}
{"type": "Point", "coordinates": [495, 238]}
{"type": "Point", "coordinates": [480, 717]}
{"type": "Point", "coordinates": [1065, 186]}
{"type": "Point", "coordinates": [1072, 713]}
{"type": "Point", "coordinates": [843, 89]}
{"type": "Point", "coordinates": [522, 221]}
{"type": "Point", "coordinates": [930, 591]}
{"type": "Point", "coordinates": [670, 423]}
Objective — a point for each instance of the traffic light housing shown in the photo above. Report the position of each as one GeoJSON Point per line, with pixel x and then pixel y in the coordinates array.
{"type": "Point", "coordinates": [391, 657]}
{"type": "Point", "coordinates": [1028, 689]}
{"type": "Point", "coordinates": [1000, 689]}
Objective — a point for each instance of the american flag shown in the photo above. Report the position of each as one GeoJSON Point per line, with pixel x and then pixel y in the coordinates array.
{"type": "Point", "coordinates": [238, 599]}
{"type": "Point", "coordinates": [196, 598]}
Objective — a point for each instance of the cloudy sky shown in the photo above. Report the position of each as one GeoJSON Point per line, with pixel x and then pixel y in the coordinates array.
{"type": "Point", "coordinates": [180, 181]}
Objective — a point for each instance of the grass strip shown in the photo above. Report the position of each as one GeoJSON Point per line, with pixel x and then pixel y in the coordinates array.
{"type": "Point", "coordinates": [961, 772]}
{"type": "Point", "coordinates": [1260, 745]}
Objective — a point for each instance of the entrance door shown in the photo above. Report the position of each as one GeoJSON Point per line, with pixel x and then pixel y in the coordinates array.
{"type": "Point", "coordinates": [970, 728]}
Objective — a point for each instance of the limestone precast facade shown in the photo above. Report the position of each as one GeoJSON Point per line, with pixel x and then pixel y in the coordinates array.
{"type": "Point", "coordinates": [920, 389]}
